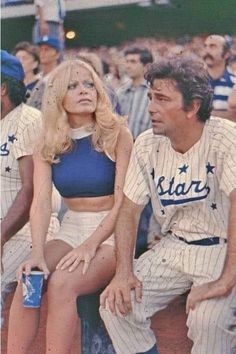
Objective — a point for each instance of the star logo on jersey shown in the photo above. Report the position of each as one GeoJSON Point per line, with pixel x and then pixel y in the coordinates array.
{"type": "Point", "coordinates": [11, 138]}
{"type": "Point", "coordinates": [183, 169]}
{"type": "Point", "coordinates": [153, 173]}
{"type": "Point", "coordinates": [213, 206]}
{"type": "Point", "coordinates": [7, 169]}
{"type": "Point", "coordinates": [162, 211]}
{"type": "Point", "coordinates": [210, 168]}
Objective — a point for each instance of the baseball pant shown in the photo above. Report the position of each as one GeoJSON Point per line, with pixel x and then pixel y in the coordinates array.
{"type": "Point", "coordinates": [166, 271]}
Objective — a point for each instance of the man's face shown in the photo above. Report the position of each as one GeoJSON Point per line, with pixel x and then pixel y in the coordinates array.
{"type": "Point", "coordinates": [133, 66]}
{"type": "Point", "coordinates": [27, 60]}
{"type": "Point", "coordinates": [166, 107]}
{"type": "Point", "coordinates": [213, 51]}
{"type": "Point", "coordinates": [47, 54]}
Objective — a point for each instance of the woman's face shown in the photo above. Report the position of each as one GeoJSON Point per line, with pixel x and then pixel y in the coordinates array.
{"type": "Point", "coordinates": [81, 96]}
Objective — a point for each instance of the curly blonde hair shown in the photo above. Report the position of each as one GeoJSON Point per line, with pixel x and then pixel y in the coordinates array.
{"type": "Point", "coordinates": [56, 137]}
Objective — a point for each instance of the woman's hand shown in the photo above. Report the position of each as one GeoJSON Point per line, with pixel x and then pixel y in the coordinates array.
{"type": "Point", "coordinates": [83, 253]}
{"type": "Point", "coordinates": [34, 262]}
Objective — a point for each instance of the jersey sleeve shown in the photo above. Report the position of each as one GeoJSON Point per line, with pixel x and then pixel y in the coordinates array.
{"type": "Point", "coordinates": [228, 177]}
{"type": "Point", "coordinates": [27, 139]}
{"type": "Point", "coordinates": [136, 186]}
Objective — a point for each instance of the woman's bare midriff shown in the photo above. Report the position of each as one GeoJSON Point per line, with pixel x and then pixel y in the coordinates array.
{"type": "Point", "coordinates": [90, 204]}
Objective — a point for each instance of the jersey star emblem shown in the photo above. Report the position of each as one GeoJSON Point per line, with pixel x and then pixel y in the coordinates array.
{"type": "Point", "coordinates": [210, 168]}
{"type": "Point", "coordinates": [162, 211]}
{"type": "Point", "coordinates": [183, 169]}
{"type": "Point", "coordinates": [7, 169]}
{"type": "Point", "coordinates": [11, 138]}
{"type": "Point", "coordinates": [213, 206]}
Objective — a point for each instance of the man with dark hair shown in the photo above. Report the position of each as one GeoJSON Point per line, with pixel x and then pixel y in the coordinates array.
{"type": "Point", "coordinates": [28, 55]}
{"type": "Point", "coordinates": [20, 129]}
{"type": "Point", "coordinates": [222, 80]}
{"type": "Point", "coordinates": [132, 96]}
{"type": "Point", "coordinates": [186, 165]}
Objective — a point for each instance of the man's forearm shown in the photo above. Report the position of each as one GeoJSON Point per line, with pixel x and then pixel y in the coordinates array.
{"type": "Point", "coordinates": [17, 215]}
{"type": "Point", "coordinates": [125, 234]}
{"type": "Point", "coordinates": [228, 276]}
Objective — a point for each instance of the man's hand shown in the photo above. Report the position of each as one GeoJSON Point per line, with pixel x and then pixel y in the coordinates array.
{"type": "Point", "coordinates": [118, 293]}
{"type": "Point", "coordinates": [206, 291]}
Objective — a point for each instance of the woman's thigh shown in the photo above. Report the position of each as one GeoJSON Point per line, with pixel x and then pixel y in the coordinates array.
{"type": "Point", "coordinates": [54, 250]}
{"type": "Point", "coordinates": [98, 275]}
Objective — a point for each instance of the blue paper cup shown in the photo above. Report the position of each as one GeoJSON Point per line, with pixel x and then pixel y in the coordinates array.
{"type": "Point", "coordinates": [32, 288]}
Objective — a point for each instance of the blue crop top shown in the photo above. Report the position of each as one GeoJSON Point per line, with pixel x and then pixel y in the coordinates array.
{"type": "Point", "coordinates": [84, 172]}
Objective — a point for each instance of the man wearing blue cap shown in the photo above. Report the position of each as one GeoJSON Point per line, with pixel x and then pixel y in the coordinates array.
{"type": "Point", "coordinates": [20, 128]}
{"type": "Point", "coordinates": [49, 55]}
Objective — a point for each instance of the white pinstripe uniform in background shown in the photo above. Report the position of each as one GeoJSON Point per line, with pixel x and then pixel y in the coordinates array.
{"type": "Point", "coordinates": [19, 133]}
{"type": "Point", "coordinates": [190, 198]}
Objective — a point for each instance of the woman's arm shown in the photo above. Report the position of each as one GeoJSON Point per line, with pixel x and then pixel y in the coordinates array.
{"type": "Point", "coordinates": [123, 151]}
{"type": "Point", "coordinates": [41, 209]}
{"type": "Point", "coordinates": [40, 214]}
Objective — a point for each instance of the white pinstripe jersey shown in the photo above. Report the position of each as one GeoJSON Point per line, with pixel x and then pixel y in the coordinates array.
{"type": "Point", "coordinates": [190, 191]}
{"type": "Point", "coordinates": [19, 133]}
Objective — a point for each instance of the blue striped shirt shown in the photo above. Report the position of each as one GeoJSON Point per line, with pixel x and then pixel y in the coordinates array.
{"type": "Point", "coordinates": [133, 102]}
{"type": "Point", "coordinates": [222, 90]}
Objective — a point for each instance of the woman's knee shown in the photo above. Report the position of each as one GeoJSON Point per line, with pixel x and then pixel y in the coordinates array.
{"type": "Point", "coordinates": [61, 285]}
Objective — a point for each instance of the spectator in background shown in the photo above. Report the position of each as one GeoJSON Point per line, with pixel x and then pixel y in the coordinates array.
{"type": "Point", "coordinates": [133, 102]}
{"type": "Point", "coordinates": [132, 96]}
{"type": "Point", "coordinates": [222, 80]}
{"type": "Point", "coordinates": [20, 128]}
{"type": "Point", "coordinates": [232, 64]}
{"type": "Point", "coordinates": [29, 57]}
{"type": "Point", "coordinates": [49, 55]}
{"type": "Point", "coordinates": [49, 20]}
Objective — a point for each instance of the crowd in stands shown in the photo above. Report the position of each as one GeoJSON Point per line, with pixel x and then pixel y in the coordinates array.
{"type": "Point", "coordinates": [128, 91]}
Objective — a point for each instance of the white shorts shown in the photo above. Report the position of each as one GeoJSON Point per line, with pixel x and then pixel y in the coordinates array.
{"type": "Point", "coordinates": [77, 226]}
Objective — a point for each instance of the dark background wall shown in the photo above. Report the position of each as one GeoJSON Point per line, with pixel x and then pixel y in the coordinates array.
{"type": "Point", "coordinates": [111, 26]}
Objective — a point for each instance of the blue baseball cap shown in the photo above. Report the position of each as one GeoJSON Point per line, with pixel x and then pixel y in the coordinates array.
{"type": "Point", "coordinates": [51, 41]}
{"type": "Point", "coordinates": [11, 66]}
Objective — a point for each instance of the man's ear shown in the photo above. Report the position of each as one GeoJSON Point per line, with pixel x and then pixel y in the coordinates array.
{"type": "Point", "coordinates": [226, 55]}
{"type": "Point", "coordinates": [193, 108]}
{"type": "Point", "coordinates": [3, 89]}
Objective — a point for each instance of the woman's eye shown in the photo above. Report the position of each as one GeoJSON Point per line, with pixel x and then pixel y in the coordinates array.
{"type": "Point", "coordinates": [72, 86]}
{"type": "Point", "coordinates": [89, 84]}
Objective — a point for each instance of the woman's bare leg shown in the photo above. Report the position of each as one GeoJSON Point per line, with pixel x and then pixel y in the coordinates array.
{"type": "Point", "coordinates": [63, 289]}
{"type": "Point", "coordinates": [24, 322]}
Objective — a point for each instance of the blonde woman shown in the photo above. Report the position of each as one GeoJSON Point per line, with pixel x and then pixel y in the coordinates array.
{"type": "Point", "coordinates": [85, 152]}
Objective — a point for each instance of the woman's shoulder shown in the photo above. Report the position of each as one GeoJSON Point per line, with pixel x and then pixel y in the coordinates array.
{"type": "Point", "coordinates": [125, 133]}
